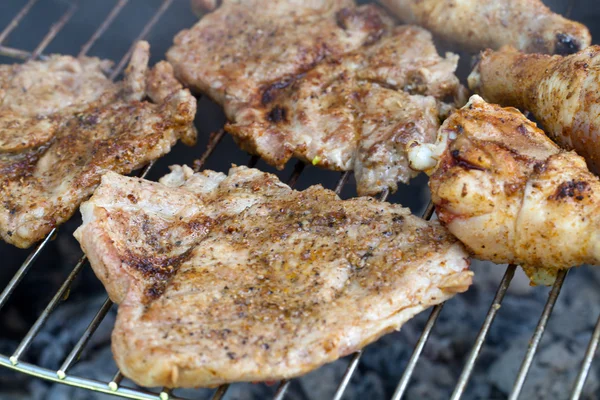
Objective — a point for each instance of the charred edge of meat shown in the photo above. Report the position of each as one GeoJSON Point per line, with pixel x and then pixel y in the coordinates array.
{"type": "Point", "coordinates": [24, 167]}
{"type": "Point", "coordinates": [159, 269]}
{"type": "Point", "coordinates": [87, 119]}
{"type": "Point", "coordinates": [464, 163]}
{"type": "Point", "coordinates": [566, 44]}
{"type": "Point", "coordinates": [343, 16]}
{"type": "Point", "coordinates": [572, 189]}
{"type": "Point", "coordinates": [277, 114]}
{"type": "Point", "coordinates": [270, 92]}
{"type": "Point", "coordinates": [540, 167]}
{"type": "Point", "coordinates": [11, 207]}
{"type": "Point", "coordinates": [370, 17]}
{"type": "Point", "coordinates": [374, 37]}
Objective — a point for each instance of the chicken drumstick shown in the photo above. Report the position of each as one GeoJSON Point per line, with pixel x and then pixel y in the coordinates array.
{"type": "Point", "coordinates": [479, 24]}
{"type": "Point", "coordinates": [511, 195]}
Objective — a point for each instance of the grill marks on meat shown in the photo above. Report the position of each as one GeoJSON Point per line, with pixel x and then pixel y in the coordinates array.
{"type": "Point", "coordinates": [561, 93]}
{"type": "Point", "coordinates": [342, 88]}
{"type": "Point", "coordinates": [512, 196]}
{"type": "Point", "coordinates": [240, 278]}
{"type": "Point", "coordinates": [51, 161]}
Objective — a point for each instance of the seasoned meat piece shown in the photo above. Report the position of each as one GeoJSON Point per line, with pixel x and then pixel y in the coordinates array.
{"type": "Point", "coordinates": [387, 123]}
{"type": "Point", "coordinates": [480, 24]}
{"type": "Point", "coordinates": [236, 52]}
{"type": "Point", "coordinates": [239, 278]}
{"type": "Point", "coordinates": [512, 196]}
{"type": "Point", "coordinates": [339, 105]}
{"type": "Point", "coordinates": [41, 88]}
{"type": "Point", "coordinates": [31, 94]}
{"type": "Point", "coordinates": [561, 92]}
{"type": "Point", "coordinates": [50, 163]}
{"type": "Point", "coordinates": [355, 112]}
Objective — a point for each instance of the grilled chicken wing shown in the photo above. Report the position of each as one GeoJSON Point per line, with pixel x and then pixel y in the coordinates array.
{"type": "Point", "coordinates": [239, 278]}
{"type": "Point", "coordinates": [480, 24]}
{"type": "Point", "coordinates": [561, 92]}
{"type": "Point", "coordinates": [60, 132]}
{"type": "Point", "coordinates": [512, 196]}
{"type": "Point", "coordinates": [325, 81]}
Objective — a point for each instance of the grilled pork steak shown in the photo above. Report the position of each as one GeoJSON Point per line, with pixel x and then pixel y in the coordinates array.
{"type": "Point", "coordinates": [477, 25]}
{"type": "Point", "coordinates": [60, 132]}
{"type": "Point", "coordinates": [327, 82]}
{"type": "Point", "coordinates": [240, 278]}
{"type": "Point", "coordinates": [233, 53]}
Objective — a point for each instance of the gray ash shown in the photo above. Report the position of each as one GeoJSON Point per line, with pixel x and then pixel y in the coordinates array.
{"type": "Point", "coordinates": [551, 377]}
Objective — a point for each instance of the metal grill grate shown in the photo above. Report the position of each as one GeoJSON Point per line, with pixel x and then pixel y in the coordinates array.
{"type": "Point", "coordinates": [114, 386]}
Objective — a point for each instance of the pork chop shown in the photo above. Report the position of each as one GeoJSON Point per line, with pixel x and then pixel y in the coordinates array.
{"type": "Point", "coordinates": [357, 112]}
{"type": "Point", "coordinates": [86, 125]}
{"type": "Point", "coordinates": [511, 195]}
{"type": "Point", "coordinates": [38, 88]}
{"type": "Point", "coordinates": [342, 88]}
{"type": "Point", "coordinates": [235, 52]}
{"type": "Point", "coordinates": [240, 278]}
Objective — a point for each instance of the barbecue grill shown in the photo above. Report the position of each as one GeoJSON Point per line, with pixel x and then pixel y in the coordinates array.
{"type": "Point", "coordinates": [114, 387]}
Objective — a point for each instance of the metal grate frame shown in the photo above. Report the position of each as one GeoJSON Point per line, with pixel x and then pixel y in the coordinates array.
{"type": "Point", "coordinates": [114, 386]}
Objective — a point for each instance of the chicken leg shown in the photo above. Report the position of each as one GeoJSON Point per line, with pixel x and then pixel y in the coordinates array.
{"type": "Point", "coordinates": [561, 92]}
{"type": "Point", "coordinates": [479, 24]}
{"type": "Point", "coordinates": [511, 195]}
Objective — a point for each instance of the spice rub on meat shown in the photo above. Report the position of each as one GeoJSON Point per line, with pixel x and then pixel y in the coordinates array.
{"type": "Point", "coordinates": [560, 91]}
{"type": "Point", "coordinates": [240, 278]}
{"type": "Point", "coordinates": [328, 82]}
{"type": "Point", "coordinates": [63, 124]}
{"type": "Point", "coordinates": [513, 196]}
{"type": "Point", "coordinates": [477, 25]}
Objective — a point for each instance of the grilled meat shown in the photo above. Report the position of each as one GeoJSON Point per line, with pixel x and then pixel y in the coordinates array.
{"type": "Point", "coordinates": [561, 92]}
{"type": "Point", "coordinates": [31, 92]}
{"type": "Point", "coordinates": [480, 24]}
{"type": "Point", "coordinates": [234, 53]}
{"type": "Point", "coordinates": [356, 112]}
{"type": "Point", "coordinates": [199, 7]}
{"type": "Point", "coordinates": [512, 196]}
{"type": "Point", "coordinates": [387, 121]}
{"type": "Point", "coordinates": [347, 91]}
{"type": "Point", "coordinates": [50, 162]}
{"type": "Point", "coordinates": [40, 88]}
{"type": "Point", "coordinates": [239, 278]}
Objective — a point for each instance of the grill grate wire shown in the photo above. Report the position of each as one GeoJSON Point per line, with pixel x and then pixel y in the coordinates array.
{"type": "Point", "coordinates": [114, 385]}
{"type": "Point", "coordinates": [489, 319]}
